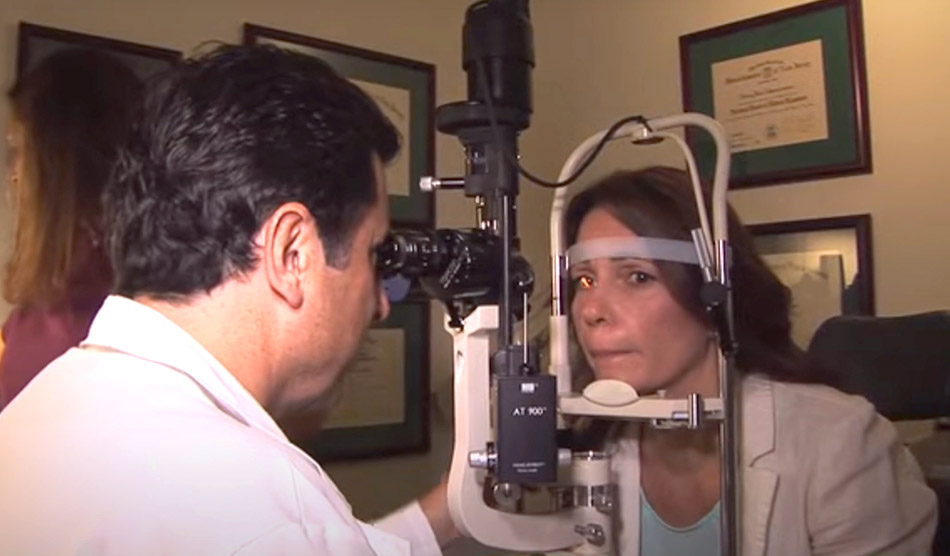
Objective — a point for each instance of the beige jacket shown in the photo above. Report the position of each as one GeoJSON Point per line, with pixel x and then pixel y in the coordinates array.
{"type": "Point", "coordinates": [822, 474]}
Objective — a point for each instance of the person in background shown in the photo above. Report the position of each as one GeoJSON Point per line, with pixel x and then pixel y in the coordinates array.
{"type": "Point", "coordinates": [822, 473]}
{"type": "Point", "coordinates": [68, 115]}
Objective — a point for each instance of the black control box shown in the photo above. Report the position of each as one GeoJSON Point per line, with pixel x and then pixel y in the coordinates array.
{"type": "Point", "coordinates": [526, 425]}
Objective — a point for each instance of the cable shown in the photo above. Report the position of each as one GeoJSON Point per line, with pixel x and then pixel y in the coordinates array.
{"type": "Point", "coordinates": [493, 122]}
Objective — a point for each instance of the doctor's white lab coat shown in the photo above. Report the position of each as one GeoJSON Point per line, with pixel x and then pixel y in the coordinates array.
{"type": "Point", "coordinates": [139, 442]}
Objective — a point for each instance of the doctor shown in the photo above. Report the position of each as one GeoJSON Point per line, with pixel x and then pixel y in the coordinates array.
{"type": "Point", "coordinates": [243, 219]}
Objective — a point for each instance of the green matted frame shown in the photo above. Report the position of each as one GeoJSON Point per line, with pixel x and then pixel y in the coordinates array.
{"type": "Point", "coordinates": [413, 78]}
{"type": "Point", "coordinates": [847, 148]}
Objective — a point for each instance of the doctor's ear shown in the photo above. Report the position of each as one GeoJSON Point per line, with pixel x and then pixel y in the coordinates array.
{"type": "Point", "coordinates": [289, 249]}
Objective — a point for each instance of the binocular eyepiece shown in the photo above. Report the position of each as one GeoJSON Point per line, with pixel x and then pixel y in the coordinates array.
{"type": "Point", "coordinates": [456, 266]}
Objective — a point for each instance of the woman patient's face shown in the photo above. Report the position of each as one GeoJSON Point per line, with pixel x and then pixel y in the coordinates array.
{"type": "Point", "coordinates": [629, 325]}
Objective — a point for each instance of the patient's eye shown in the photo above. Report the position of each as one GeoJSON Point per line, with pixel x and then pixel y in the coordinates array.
{"type": "Point", "coordinates": [639, 277]}
{"type": "Point", "coordinates": [582, 281]}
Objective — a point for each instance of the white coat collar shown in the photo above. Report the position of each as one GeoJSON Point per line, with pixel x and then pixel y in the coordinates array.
{"type": "Point", "coordinates": [127, 326]}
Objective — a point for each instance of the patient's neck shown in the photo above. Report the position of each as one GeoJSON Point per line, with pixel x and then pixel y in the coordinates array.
{"type": "Point", "coordinates": [681, 449]}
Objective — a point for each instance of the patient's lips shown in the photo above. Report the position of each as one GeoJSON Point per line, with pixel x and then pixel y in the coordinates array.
{"type": "Point", "coordinates": [609, 357]}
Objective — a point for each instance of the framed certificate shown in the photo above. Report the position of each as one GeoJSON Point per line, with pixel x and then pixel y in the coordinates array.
{"type": "Point", "coordinates": [380, 405]}
{"type": "Point", "coordinates": [827, 265]}
{"type": "Point", "coordinates": [404, 89]}
{"type": "Point", "coordinates": [789, 88]}
{"type": "Point", "coordinates": [35, 42]}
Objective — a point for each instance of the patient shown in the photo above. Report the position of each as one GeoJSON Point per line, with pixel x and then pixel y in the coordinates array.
{"type": "Point", "coordinates": [822, 473]}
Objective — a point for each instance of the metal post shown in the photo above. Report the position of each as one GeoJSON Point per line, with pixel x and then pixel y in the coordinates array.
{"type": "Point", "coordinates": [731, 439]}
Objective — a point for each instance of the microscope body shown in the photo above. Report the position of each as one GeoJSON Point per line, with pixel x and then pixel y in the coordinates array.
{"type": "Point", "coordinates": [506, 414]}
{"type": "Point", "coordinates": [515, 481]}
{"type": "Point", "coordinates": [573, 507]}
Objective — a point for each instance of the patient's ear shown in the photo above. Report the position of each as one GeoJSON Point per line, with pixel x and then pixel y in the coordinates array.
{"type": "Point", "coordinates": [290, 250]}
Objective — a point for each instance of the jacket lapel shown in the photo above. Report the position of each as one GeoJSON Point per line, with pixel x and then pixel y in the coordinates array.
{"type": "Point", "coordinates": [759, 484]}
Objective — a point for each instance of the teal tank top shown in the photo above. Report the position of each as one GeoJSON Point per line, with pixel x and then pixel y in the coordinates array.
{"type": "Point", "coordinates": [659, 539]}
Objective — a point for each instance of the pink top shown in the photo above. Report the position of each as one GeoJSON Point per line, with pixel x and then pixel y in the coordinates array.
{"type": "Point", "coordinates": [36, 335]}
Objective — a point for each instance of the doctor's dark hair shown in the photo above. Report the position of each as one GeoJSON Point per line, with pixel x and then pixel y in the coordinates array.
{"type": "Point", "coordinates": [659, 202]}
{"type": "Point", "coordinates": [223, 140]}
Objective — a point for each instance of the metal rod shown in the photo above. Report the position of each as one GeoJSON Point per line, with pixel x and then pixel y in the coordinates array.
{"type": "Point", "coordinates": [524, 327]}
{"type": "Point", "coordinates": [730, 461]}
{"type": "Point", "coordinates": [695, 411]}
{"type": "Point", "coordinates": [729, 428]}
{"type": "Point", "coordinates": [507, 238]}
{"type": "Point", "coordinates": [430, 183]}
{"type": "Point", "coordinates": [480, 216]}
{"type": "Point", "coordinates": [558, 291]}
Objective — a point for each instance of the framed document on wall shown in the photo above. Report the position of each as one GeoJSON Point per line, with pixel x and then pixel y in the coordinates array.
{"type": "Point", "coordinates": [380, 405]}
{"type": "Point", "coordinates": [827, 265]}
{"type": "Point", "coordinates": [35, 42]}
{"type": "Point", "coordinates": [405, 91]}
{"type": "Point", "coordinates": [789, 88]}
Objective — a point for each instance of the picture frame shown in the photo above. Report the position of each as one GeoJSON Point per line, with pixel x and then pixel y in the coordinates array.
{"type": "Point", "coordinates": [827, 263]}
{"type": "Point", "coordinates": [367, 420]}
{"type": "Point", "coordinates": [790, 90]}
{"type": "Point", "coordinates": [35, 42]}
{"type": "Point", "coordinates": [405, 90]}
